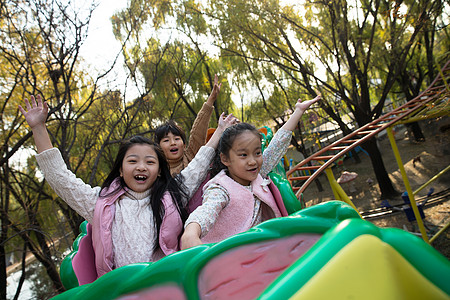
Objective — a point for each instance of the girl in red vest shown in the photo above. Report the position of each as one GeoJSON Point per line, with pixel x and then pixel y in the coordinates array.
{"type": "Point", "coordinates": [240, 196]}
{"type": "Point", "coordinates": [138, 213]}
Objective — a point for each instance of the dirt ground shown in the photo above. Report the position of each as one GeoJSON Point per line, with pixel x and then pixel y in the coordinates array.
{"type": "Point", "coordinates": [422, 161]}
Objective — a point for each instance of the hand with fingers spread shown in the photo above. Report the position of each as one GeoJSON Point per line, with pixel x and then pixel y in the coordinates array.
{"type": "Point", "coordinates": [36, 114]}
{"type": "Point", "coordinates": [227, 121]}
{"type": "Point", "coordinates": [36, 111]}
{"type": "Point", "coordinates": [223, 123]}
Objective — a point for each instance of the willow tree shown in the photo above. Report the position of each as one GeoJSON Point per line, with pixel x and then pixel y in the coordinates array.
{"type": "Point", "coordinates": [166, 56]}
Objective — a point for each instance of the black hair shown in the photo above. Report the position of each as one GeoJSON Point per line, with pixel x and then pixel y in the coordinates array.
{"type": "Point", "coordinates": [169, 126]}
{"type": "Point", "coordinates": [226, 143]}
{"type": "Point", "coordinates": [163, 183]}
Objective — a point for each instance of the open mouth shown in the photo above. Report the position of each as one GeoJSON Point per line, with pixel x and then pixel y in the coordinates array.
{"type": "Point", "coordinates": [174, 150]}
{"type": "Point", "coordinates": [253, 170]}
{"type": "Point", "coordinates": [140, 177]}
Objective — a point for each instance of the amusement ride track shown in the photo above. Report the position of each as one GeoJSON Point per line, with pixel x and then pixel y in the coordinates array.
{"type": "Point", "coordinates": [431, 103]}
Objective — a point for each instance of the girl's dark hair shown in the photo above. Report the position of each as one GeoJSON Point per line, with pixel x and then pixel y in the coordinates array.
{"type": "Point", "coordinates": [226, 143]}
{"type": "Point", "coordinates": [163, 183]}
{"type": "Point", "coordinates": [170, 126]}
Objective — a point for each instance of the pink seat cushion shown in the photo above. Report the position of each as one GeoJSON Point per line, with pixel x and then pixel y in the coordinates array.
{"type": "Point", "coordinates": [244, 272]}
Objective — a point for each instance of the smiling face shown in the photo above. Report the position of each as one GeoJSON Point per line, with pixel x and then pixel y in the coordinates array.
{"type": "Point", "coordinates": [244, 159]}
{"type": "Point", "coordinates": [173, 146]}
{"type": "Point", "coordinates": [140, 167]}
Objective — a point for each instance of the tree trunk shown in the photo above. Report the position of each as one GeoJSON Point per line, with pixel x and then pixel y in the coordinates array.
{"type": "Point", "coordinates": [4, 234]}
{"type": "Point", "coordinates": [355, 156]}
{"type": "Point", "coordinates": [3, 276]}
{"type": "Point", "coordinates": [387, 189]}
{"type": "Point", "coordinates": [302, 150]}
{"type": "Point", "coordinates": [417, 131]}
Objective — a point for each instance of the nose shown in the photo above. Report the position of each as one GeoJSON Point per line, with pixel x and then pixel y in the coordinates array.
{"type": "Point", "coordinates": [140, 166]}
{"type": "Point", "coordinates": [172, 141]}
{"type": "Point", "coordinates": [252, 160]}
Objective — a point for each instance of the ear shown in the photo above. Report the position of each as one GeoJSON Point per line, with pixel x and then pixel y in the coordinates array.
{"type": "Point", "coordinates": [120, 172]}
{"type": "Point", "coordinates": [224, 159]}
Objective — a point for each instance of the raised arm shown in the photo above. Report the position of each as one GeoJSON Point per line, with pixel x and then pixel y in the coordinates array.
{"type": "Point", "coordinates": [195, 172]}
{"type": "Point", "coordinates": [78, 195]}
{"type": "Point", "coordinates": [36, 114]}
{"type": "Point", "coordinates": [199, 129]}
{"type": "Point", "coordinates": [282, 138]}
{"type": "Point", "coordinates": [300, 108]}
{"type": "Point", "coordinates": [224, 123]}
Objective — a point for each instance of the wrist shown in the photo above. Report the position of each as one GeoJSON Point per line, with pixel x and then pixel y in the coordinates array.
{"type": "Point", "coordinates": [193, 230]}
{"type": "Point", "coordinates": [298, 112]}
{"type": "Point", "coordinates": [220, 129]}
{"type": "Point", "coordinates": [39, 127]}
{"type": "Point", "coordinates": [211, 100]}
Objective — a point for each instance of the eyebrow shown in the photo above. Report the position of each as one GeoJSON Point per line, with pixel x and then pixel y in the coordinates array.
{"type": "Point", "coordinates": [246, 149]}
{"type": "Point", "coordinates": [147, 156]}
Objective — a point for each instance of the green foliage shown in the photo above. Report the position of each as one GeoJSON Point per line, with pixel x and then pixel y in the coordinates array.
{"type": "Point", "coordinates": [167, 51]}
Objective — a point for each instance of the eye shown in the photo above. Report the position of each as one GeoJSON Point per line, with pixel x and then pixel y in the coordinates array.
{"type": "Point", "coordinates": [131, 161]}
{"type": "Point", "coordinates": [164, 140]}
{"type": "Point", "coordinates": [151, 162]}
{"type": "Point", "coordinates": [243, 155]}
{"type": "Point", "coordinates": [178, 138]}
{"type": "Point", "coordinates": [258, 153]}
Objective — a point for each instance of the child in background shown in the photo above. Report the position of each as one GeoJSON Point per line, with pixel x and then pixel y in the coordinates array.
{"type": "Point", "coordinates": [138, 213]}
{"type": "Point", "coordinates": [172, 139]}
{"type": "Point", "coordinates": [238, 197]}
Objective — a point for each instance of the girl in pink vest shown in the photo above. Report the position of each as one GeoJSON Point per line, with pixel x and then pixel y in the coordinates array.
{"type": "Point", "coordinates": [138, 213]}
{"type": "Point", "coordinates": [241, 196]}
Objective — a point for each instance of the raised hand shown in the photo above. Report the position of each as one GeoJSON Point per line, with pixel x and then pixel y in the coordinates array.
{"type": "Point", "coordinates": [304, 105]}
{"type": "Point", "coordinates": [300, 108]}
{"type": "Point", "coordinates": [223, 123]}
{"type": "Point", "coordinates": [227, 121]}
{"type": "Point", "coordinates": [215, 91]}
{"type": "Point", "coordinates": [36, 112]}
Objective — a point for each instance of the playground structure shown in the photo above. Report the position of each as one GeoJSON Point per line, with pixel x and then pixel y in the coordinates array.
{"type": "Point", "coordinates": [294, 257]}
{"type": "Point", "coordinates": [432, 103]}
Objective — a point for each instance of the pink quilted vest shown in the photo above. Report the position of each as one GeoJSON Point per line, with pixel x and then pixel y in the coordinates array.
{"type": "Point", "coordinates": [236, 217]}
{"type": "Point", "coordinates": [101, 241]}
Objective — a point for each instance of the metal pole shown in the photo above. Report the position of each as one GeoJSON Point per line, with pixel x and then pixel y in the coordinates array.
{"type": "Point", "coordinates": [338, 192]}
{"type": "Point", "coordinates": [439, 232]}
{"type": "Point", "coordinates": [407, 185]}
{"type": "Point", "coordinates": [431, 180]}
